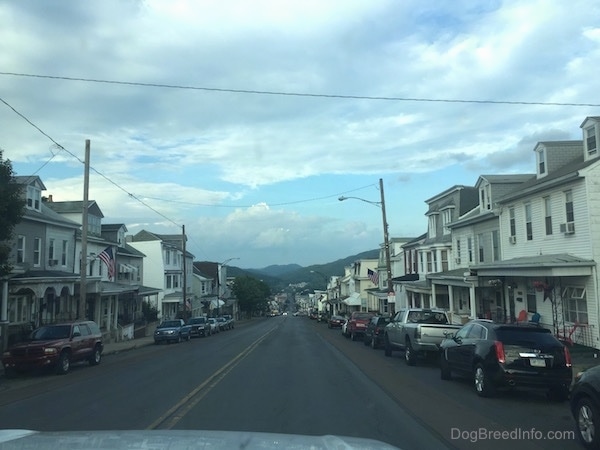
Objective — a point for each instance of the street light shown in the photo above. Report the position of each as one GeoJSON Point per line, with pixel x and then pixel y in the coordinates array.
{"type": "Point", "coordinates": [386, 240]}
{"type": "Point", "coordinates": [219, 274]}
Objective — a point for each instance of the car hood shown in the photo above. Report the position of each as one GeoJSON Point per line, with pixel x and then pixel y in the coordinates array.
{"type": "Point", "coordinates": [41, 343]}
{"type": "Point", "coordinates": [168, 329]}
{"type": "Point", "coordinates": [179, 439]}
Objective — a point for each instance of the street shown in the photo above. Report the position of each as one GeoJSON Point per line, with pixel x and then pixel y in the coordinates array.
{"type": "Point", "coordinates": [283, 375]}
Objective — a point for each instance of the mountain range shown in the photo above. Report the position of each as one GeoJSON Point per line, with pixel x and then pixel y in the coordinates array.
{"type": "Point", "coordinates": [279, 277]}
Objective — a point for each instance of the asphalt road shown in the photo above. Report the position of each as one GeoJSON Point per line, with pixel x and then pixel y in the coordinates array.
{"type": "Point", "coordinates": [285, 375]}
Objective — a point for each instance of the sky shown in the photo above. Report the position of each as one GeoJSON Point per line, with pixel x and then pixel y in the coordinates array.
{"type": "Point", "coordinates": [245, 121]}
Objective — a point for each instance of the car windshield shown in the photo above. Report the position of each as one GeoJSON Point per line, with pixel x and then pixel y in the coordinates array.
{"type": "Point", "coordinates": [299, 172]}
{"type": "Point", "coordinates": [51, 332]}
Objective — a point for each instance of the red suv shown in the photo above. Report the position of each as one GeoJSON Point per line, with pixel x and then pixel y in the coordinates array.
{"type": "Point", "coordinates": [357, 324]}
{"type": "Point", "coordinates": [55, 346]}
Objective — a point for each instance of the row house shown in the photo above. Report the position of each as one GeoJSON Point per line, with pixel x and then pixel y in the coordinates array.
{"type": "Point", "coordinates": [355, 285]}
{"type": "Point", "coordinates": [166, 264]}
{"type": "Point", "coordinates": [222, 300]}
{"type": "Point", "coordinates": [203, 289]}
{"type": "Point", "coordinates": [526, 250]}
{"type": "Point", "coordinates": [41, 286]}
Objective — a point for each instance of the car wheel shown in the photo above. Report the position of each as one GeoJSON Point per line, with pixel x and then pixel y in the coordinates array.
{"type": "Point", "coordinates": [387, 346]}
{"type": "Point", "coordinates": [483, 385]}
{"type": "Point", "coordinates": [353, 336]}
{"type": "Point", "coordinates": [409, 354]}
{"type": "Point", "coordinates": [445, 372]}
{"type": "Point", "coordinates": [64, 363]}
{"type": "Point", "coordinates": [587, 421]}
{"type": "Point", "coordinates": [96, 356]}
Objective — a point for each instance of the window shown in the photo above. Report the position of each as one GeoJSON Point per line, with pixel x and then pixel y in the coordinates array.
{"type": "Point", "coordinates": [541, 156]}
{"type": "Point", "coordinates": [168, 282]}
{"type": "Point", "coordinates": [548, 215]}
{"type": "Point", "coordinates": [495, 245]}
{"type": "Point", "coordinates": [34, 196]}
{"type": "Point", "coordinates": [569, 206]}
{"type": "Point", "coordinates": [167, 256]}
{"type": "Point", "coordinates": [531, 298]}
{"type": "Point", "coordinates": [65, 248]}
{"type": "Point", "coordinates": [444, 260]}
{"type": "Point", "coordinates": [91, 268]}
{"type": "Point", "coordinates": [528, 224]}
{"type": "Point", "coordinates": [434, 262]}
{"type": "Point", "coordinates": [512, 223]}
{"type": "Point", "coordinates": [37, 251]}
{"type": "Point", "coordinates": [458, 251]}
{"type": "Point", "coordinates": [94, 225]}
{"type": "Point", "coordinates": [485, 201]}
{"type": "Point", "coordinates": [422, 258]}
{"type": "Point", "coordinates": [576, 304]}
{"type": "Point", "coordinates": [470, 249]}
{"type": "Point", "coordinates": [17, 309]}
{"type": "Point", "coordinates": [432, 225]}
{"type": "Point", "coordinates": [51, 250]}
{"type": "Point", "coordinates": [480, 242]}
{"type": "Point", "coordinates": [20, 249]}
{"type": "Point", "coordinates": [429, 261]}
{"type": "Point", "coordinates": [590, 140]}
{"type": "Point", "coordinates": [446, 219]}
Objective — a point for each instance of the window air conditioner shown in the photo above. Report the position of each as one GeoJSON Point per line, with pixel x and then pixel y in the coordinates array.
{"type": "Point", "coordinates": [512, 239]}
{"type": "Point", "coordinates": [567, 228]}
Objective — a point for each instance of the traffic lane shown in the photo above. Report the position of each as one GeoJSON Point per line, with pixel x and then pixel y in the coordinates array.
{"type": "Point", "coordinates": [453, 408]}
{"type": "Point", "coordinates": [295, 382]}
{"type": "Point", "coordinates": [126, 391]}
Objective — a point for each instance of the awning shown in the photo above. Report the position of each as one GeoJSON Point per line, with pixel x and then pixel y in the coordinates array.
{"type": "Point", "coordinates": [216, 303]}
{"type": "Point", "coordinates": [353, 300]}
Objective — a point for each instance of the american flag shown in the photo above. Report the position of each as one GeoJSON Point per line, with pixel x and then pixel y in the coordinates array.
{"type": "Point", "coordinates": [373, 276]}
{"type": "Point", "coordinates": [107, 257]}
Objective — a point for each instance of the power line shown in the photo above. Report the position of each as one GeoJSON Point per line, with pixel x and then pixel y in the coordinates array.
{"type": "Point", "coordinates": [83, 162]}
{"type": "Point", "coordinates": [296, 94]}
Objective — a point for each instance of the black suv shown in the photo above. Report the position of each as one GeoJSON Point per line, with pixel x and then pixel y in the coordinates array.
{"type": "Point", "coordinates": [504, 355]}
{"type": "Point", "coordinates": [374, 331]}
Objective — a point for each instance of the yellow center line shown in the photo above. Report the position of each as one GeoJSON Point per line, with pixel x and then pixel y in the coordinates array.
{"type": "Point", "coordinates": [170, 418]}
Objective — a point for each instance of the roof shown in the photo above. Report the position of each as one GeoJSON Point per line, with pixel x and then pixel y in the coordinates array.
{"type": "Point", "coordinates": [73, 207]}
{"type": "Point", "coordinates": [129, 250]}
{"type": "Point", "coordinates": [556, 260]}
{"type": "Point", "coordinates": [47, 215]}
{"type": "Point", "coordinates": [113, 226]}
{"type": "Point", "coordinates": [30, 179]}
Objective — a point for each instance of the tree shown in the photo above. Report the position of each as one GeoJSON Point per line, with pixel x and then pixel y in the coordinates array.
{"type": "Point", "coordinates": [12, 208]}
{"type": "Point", "coordinates": [251, 294]}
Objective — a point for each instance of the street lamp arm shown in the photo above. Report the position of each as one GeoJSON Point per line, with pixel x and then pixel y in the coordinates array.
{"type": "Point", "coordinates": [342, 198]}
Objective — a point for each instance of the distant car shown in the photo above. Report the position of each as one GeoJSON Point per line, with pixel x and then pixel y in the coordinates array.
{"type": "Point", "coordinates": [285, 313]}
{"type": "Point", "coordinates": [56, 346]}
{"type": "Point", "coordinates": [357, 324]}
{"type": "Point", "coordinates": [585, 407]}
{"type": "Point", "coordinates": [199, 326]}
{"type": "Point", "coordinates": [375, 331]}
{"type": "Point", "coordinates": [223, 323]}
{"type": "Point", "coordinates": [497, 355]}
{"type": "Point", "coordinates": [229, 317]}
{"type": "Point", "coordinates": [171, 331]}
{"type": "Point", "coordinates": [335, 322]}
{"type": "Point", "coordinates": [214, 325]}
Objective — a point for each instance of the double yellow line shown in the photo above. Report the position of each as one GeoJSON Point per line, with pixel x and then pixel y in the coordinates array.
{"type": "Point", "coordinates": [179, 410]}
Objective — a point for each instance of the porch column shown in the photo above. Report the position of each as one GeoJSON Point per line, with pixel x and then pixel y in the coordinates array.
{"type": "Point", "coordinates": [433, 299]}
{"type": "Point", "coordinates": [109, 314]}
{"type": "Point", "coordinates": [451, 298]}
{"type": "Point", "coordinates": [4, 302]}
{"type": "Point", "coordinates": [472, 302]}
{"type": "Point", "coordinates": [116, 315]}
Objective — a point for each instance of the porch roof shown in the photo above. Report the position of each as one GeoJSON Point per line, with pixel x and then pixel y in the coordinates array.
{"type": "Point", "coordinates": [562, 264]}
{"type": "Point", "coordinates": [106, 287]}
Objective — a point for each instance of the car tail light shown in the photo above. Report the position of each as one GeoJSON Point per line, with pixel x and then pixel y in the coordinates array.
{"type": "Point", "coordinates": [568, 362]}
{"type": "Point", "coordinates": [418, 333]}
{"type": "Point", "coordinates": [500, 352]}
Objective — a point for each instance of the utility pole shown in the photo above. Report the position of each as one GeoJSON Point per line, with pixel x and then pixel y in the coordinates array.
{"type": "Point", "coordinates": [84, 233]}
{"type": "Point", "coordinates": [184, 273]}
{"type": "Point", "coordinates": [386, 243]}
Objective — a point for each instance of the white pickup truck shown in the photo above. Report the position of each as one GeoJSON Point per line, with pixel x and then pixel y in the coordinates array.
{"type": "Point", "coordinates": [417, 330]}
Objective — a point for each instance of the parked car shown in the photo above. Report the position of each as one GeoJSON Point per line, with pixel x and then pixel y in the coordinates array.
{"type": "Point", "coordinates": [335, 322]}
{"type": "Point", "coordinates": [375, 331]}
{"type": "Point", "coordinates": [171, 331]}
{"type": "Point", "coordinates": [230, 319]}
{"type": "Point", "coordinates": [198, 326]}
{"type": "Point", "coordinates": [223, 323]}
{"type": "Point", "coordinates": [214, 325]}
{"type": "Point", "coordinates": [56, 346]}
{"type": "Point", "coordinates": [417, 331]}
{"type": "Point", "coordinates": [585, 407]}
{"type": "Point", "coordinates": [507, 355]}
{"type": "Point", "coordinates": [357, 324]}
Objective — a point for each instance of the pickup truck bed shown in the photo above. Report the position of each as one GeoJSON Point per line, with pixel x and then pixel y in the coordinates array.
{"type": "Point", "coordinates": [417, 331]}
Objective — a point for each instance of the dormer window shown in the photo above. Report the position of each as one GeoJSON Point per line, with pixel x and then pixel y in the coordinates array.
{"type": "Point", "coordinates": [590, 141]}
{"type": "Point", "coordinates": [485, 197]}
{"type": "Point", "coordinates": [541, 160]}
{"type": "Point", "coordinates": [34, 198]}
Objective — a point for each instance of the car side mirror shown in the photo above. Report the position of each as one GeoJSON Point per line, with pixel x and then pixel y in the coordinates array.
{"type": "Point", "coordinates": [457, 339]}
{"type": "Point", "coordinates": [448, 335]}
